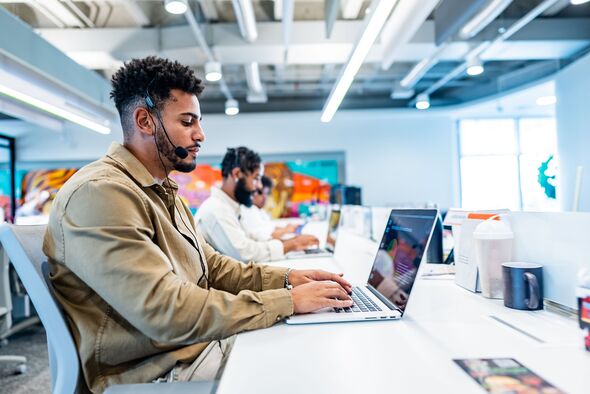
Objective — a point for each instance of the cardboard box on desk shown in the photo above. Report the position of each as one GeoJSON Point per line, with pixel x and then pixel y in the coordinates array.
{"type": "Point", "coordinates": [463, 223]}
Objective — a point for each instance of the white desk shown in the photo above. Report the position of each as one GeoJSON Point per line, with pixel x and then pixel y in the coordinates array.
{"type": "Point", "coordinates": [412, 355]}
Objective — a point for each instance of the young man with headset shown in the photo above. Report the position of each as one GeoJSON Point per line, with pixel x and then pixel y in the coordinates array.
{"type": "Point", "coordinates": [147, 298]}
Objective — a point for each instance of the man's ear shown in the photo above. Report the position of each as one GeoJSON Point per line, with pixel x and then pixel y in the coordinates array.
{"type": "Point", "coordinates": [235, 173]}
{"type": "Point", "coordinates": [143, 120]}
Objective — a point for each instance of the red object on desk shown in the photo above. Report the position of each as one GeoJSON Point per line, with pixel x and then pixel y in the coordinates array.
{"type": "Point", "coordinates": [584, 318]}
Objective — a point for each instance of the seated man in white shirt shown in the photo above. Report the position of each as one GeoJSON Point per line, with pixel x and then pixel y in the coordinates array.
{"type": "Point", "coordinates": [218, 218]}
{"type": "Point", "coordinates": [257, 222]}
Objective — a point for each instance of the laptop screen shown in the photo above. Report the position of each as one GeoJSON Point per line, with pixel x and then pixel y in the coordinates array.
{"type": "Point", "coordinates": [402, 247]}
{"type": "Point", "coordinates": [333, 223]}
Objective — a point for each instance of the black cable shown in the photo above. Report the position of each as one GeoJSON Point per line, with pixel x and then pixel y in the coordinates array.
{"type": "Point", "coordinates": [195, 245]}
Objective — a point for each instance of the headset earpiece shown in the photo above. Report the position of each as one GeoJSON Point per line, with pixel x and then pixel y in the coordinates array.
{"type": "Point", "coordinates": [149, 102]}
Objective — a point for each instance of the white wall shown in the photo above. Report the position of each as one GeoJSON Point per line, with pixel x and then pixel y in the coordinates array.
{"type": "Point", "coordinates": [395, 156]}
{"type": "Point", "coordinates": [573, 131]}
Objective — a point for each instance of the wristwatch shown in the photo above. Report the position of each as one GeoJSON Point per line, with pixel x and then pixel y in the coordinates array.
{"type": "Point", "coordinates": [288, 285]}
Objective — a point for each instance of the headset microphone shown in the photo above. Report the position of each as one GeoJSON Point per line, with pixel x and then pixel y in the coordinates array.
{"type": "Point", "coordinates": [178, 150]}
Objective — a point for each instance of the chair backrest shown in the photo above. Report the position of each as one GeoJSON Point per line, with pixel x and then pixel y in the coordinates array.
{"type": "Point", "coordinates": [23, 245]}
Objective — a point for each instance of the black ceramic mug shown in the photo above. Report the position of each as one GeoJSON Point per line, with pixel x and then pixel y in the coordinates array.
{"type": "Point", "coordinates": [523, 286]}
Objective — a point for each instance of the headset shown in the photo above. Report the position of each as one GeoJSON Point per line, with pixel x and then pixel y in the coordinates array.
{"type": "Point", "coordinates": [236, 152]}
{"type": "Point", "coordinates": [181, 153]}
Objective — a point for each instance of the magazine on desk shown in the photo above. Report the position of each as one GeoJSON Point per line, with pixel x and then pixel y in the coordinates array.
{"type": "Point", "coordinates": [505, 375]}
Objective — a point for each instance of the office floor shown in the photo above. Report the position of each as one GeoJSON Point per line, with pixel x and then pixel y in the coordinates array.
{"type": "Point", "coordinates": [32, 344]}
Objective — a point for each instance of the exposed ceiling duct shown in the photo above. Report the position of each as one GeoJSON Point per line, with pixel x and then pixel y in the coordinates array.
{"type": "Point", "coordinates": [297, 63]}
{"type": "Point", "coordinates": [256, 93]}
{"type": "Point", "coordinates": [478, 22]}
{"type": "Point", "coordinates": [485, 46]}
{"type": "Point", "coordinates": [405, 21]}
{"type": "Point", "coordinates": [331, 9]}
{"type": "Point", "coordinates": [483, 18]}
{"type": "Point", "coordinates": [190, 18]}
{"type": "Point", "coordinates": [351, 8]}
{"type": "Point", "coordinates": [246, 19]}
{"type": "Point", "coordinates": [287, 12]}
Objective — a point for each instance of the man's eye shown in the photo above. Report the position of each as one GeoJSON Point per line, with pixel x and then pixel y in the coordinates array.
{"type": "Point", "coordinates": [187, 123]}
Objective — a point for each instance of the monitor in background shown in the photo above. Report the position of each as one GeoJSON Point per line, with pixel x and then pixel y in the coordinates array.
{"type": "Point", "coordinates": [333, 223]}
{"type": "Point", "coordinates": [434, 255]}
{"type": "Point", "coordinates": [345, 195]}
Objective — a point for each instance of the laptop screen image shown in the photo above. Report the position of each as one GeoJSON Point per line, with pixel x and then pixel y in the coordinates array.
{"type": "Point", "coordinates": [333, 223]}
{"type": "Point", "coordinates": [402, 247]}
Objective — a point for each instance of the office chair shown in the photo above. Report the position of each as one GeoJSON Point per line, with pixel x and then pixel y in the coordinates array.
{"type": "Point", "coordinates": [5, 315]}
{"type": "Point", "coordinates": [23, 245]}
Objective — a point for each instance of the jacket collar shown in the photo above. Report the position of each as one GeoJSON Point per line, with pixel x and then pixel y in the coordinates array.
{"type": "Point", "coordinates": [131, 164]}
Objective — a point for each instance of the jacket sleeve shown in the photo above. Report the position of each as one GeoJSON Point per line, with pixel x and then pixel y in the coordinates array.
{"type": "Point", "coordinates": [228, 274]}
{"type": "Point", "coordinates": [108, 243]}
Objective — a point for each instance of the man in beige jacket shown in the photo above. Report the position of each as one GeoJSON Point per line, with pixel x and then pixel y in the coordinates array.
{"type": "Point", "coordinates": [147, 298]}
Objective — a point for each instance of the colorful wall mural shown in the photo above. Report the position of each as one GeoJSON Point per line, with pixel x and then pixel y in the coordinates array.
{"type": "Point", "coordinates": [38, 189]}
{"type": "Point", "coordinates": [299, 185]}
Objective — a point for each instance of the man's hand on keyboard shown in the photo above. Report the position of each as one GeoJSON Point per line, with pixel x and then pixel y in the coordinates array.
{"type": "Point", "coordinates": [299, 277]}
{"type": "Point", "coordinates": [316, 295]}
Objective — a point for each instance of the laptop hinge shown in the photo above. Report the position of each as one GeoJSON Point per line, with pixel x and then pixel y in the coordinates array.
{"type": "Point", "coordinates": [384, 300]}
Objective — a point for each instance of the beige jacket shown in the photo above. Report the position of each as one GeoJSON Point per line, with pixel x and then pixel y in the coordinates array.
{"type": "Point", "coordinates": [125, 270]}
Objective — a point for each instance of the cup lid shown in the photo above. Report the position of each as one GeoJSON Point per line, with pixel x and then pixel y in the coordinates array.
{"type": "Point", "coordinates": [493, 229]}
{"type": "Point", "coordinates": [520, 264]}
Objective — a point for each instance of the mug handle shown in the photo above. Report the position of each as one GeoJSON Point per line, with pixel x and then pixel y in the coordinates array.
{"type": "Point", "coordinates": [533, 301]}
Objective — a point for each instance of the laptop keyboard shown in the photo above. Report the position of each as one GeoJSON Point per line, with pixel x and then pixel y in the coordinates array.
{"type": "Point", "coordinates": [361, 303]}
{"type": "Point", "coordinates": [314, 251]}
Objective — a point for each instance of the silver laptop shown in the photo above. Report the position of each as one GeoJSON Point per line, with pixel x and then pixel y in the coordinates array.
{"type": "Point", "coordinates": [394, 271]}
{"type": "Point", "coordinates": [328, 251]}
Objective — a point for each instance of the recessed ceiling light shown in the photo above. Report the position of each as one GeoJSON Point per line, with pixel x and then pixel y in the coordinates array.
{"type": "Point", "coordinates": [176, 6]}
{"type": "Point", "coordinates": [578, 2]}
{"type": "Point", "coordinates": [213, 71]}
{"type": "Point", "coordinates": [232, 107]}
{"type": "Point", "coordinates": [475, 67]}
{"type": "Point", "coordinates": [422, 101]}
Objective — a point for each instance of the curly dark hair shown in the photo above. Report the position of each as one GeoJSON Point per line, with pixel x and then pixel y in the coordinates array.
{"type": "Point", "coordinates": [159, 76]}
{"type": "Point", "coordinates": [266, 182]}
{"type": "Point", "coordinates": [247, 160]}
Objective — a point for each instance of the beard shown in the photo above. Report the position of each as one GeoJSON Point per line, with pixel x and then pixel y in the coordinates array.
{"type": "Point", "coordinates": [243, 195]}
{"type": "Point", "coordinates": [167, 150]}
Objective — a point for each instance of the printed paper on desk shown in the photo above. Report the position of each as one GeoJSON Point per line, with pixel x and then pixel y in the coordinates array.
{"type": "Point", "coordinates": [466, 272]}
{"type": "Point", "coordinates": [505, 375]}
{"type": "Point", "coordinates": [463, 224]}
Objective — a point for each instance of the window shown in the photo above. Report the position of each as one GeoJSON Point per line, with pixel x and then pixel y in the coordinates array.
{"type": "Point", "coordinates": [508, 163]}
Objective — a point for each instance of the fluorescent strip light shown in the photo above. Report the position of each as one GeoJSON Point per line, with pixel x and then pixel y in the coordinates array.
{"type": "Point", "coordinates": [53, 110]}
{"type": "Point", "coordinates": [578, 2]}
{"type": "Point", "coordinates": [483, 18]}
{"type": "Point", "coordinates": [375, 22]}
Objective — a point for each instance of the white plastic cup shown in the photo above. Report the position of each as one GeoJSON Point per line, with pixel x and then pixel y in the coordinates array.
{"type": "Point", "coordinates": [493, 246]}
